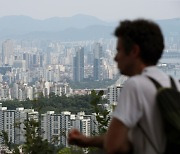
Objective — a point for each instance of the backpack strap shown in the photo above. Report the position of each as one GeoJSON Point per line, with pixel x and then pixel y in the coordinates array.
{"type": "Point", "coordinates": [157, 84]}
{"type": "Point", "coordinates": [173, 85]}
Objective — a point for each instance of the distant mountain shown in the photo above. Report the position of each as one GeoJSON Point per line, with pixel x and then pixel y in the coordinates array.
{"type": "Point", "coordinates": [18, 25]}
{"type": "Point", "coordinates": [78, 27]}
{"type": "Point", "coordinates": [70, 34]}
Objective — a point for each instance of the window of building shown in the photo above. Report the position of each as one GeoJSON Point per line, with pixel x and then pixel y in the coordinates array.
{"type": "Point", "coordinates": [55, 131]}
{"type": "Point", "coordinates": [55, 118]}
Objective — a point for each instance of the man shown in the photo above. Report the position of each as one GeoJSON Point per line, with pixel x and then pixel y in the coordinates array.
{"type": "Point", "coordinates": [139, 47]}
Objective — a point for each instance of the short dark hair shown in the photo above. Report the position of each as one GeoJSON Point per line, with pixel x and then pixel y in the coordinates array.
{"type": "Point", "coordinates": [146, 34]}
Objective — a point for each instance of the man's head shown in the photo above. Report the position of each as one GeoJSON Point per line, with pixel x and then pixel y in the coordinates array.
{"type": "Point", "coordinates": [139, 41]}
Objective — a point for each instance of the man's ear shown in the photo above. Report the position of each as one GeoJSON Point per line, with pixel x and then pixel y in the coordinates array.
{"type": "Point", "coordinates": [135, 52]}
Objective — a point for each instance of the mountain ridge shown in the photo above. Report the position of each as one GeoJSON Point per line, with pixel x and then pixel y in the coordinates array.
{"type": "Point", "coordinates": [84, 26]}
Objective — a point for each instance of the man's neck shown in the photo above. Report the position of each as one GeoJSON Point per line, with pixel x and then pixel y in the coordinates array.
{"type": "Point", "coordinates": [138, 68]}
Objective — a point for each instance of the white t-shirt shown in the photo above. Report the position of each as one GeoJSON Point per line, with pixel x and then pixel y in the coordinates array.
{"type": "Point", "coordinates": [137, 104]}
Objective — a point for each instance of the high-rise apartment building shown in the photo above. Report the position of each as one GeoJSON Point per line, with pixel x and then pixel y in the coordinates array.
{"type": "Point", "coordinates": [96, 69]}
{"type": "Point", "coordinates": [114, 90]}
{"type": "Point", "coordinates": [98, 51]}
{"type": "Point", "coordinates": [78, 65]}
{"type": "Point", "coordinates": [98, 54]}
{"type": "Point", "coordinates": [7, 52]}
{"type": "Point", "coordinates": [56, 126]}
{"type": "Point", "coordinates": [12, 122]}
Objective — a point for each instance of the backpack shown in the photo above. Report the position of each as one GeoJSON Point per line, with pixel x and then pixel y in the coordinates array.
{"type": "Point", "coordinates": [168, 100]}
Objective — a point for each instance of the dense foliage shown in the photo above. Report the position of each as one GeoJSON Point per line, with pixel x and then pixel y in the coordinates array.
{"type": "Point", "coordinates": [55, 103]}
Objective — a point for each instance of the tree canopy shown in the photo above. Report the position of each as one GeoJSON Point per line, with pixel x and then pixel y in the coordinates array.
{"type": "Point", "coordinates": [55, 103]}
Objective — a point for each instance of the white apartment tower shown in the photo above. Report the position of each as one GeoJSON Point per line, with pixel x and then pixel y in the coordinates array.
{"type": "Point", "coordinates": [12, 122]}
{"type": "Point", "coordinates": [56, 127]}
{"type": "Point", "coordinates": [7, 52]}
{"type": "Point", "coordinates": [114, 90]}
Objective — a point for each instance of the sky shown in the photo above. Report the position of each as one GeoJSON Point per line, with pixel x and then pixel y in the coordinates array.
{"type": "Point", "coordinates": [108, 10]}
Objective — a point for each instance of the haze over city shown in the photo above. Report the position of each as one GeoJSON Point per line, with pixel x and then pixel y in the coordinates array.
{"type": "Point", "coordinates": [56, 55]}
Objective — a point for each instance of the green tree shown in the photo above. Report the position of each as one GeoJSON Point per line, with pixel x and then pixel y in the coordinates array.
{"type": "Point", "coordinates": [34, 143]}
{"type": "Point", "coordinates": [12, 147]}
{"type": "Point", "coordinates": [6, 142]}
{"type": "Point", "coordinates": [71, 150]}
{"type": "Point", "coordinates": [102, 114]}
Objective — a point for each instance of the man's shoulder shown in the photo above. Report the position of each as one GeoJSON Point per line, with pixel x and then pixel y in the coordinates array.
{"type": "Point", "coordinates": [137, 79]}
{"type": "Point", "coordinates": [136, 82]}
{"type": "Point", "coordinates": [142, 80]}
{"type": "Point", "coordinates": [151, 71]}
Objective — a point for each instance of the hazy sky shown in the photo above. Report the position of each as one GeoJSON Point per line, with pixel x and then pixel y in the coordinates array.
{"type": "Point", "coordinates": [109, 10]}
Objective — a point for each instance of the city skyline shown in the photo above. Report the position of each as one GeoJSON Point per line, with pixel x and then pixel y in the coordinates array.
{"type": "Point", "coordinates": [57, 67]}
